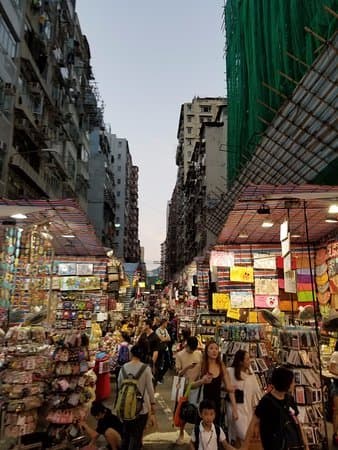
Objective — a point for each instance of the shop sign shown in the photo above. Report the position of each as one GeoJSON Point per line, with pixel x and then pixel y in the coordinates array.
{"type": "Point", "coordinates": [242, 274]}
{"type": "Point", "coordinates": [220, 300]}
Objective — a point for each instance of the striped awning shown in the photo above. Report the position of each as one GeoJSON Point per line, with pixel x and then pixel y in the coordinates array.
{"type": "Point", "coordinates": [62, 218]}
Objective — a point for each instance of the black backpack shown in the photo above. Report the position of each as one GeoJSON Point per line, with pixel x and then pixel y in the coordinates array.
{"type": "Point", "coordinates": [197, 436]}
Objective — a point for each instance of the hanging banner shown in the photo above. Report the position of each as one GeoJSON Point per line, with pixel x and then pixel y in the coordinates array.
{"type": "Point", "coordinates": [222, 259]}
{"type": "Point", "coordinates": [264, 261]}
{"type": "Point", "coordinates": [220, 300]}
{"type": "Point", "coordinates": [242, 274]}
{"type": "Point", "coordinates": [266, 286]}
{"type": "Point", "coordinates": [241, 299]}
{"type": "Point", "coordinates": [284, 229]}
{"type": "Point", "coordinates": [286, 246]}
{"type": "Point", "coordinates": [266, 301]}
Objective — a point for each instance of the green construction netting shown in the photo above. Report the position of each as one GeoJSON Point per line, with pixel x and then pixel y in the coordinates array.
{"type": "Point", "coordinates": [259, 33]}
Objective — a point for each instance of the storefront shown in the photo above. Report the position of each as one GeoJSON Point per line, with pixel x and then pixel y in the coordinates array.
{"type": "Point", "coordinates": [58, 283]}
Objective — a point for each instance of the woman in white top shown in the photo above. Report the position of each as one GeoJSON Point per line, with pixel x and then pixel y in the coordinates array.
{"type": "Point", "coordinates": [247, 395]}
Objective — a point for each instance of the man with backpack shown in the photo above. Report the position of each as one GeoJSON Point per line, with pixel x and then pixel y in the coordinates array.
{"type": "Point", "coordinates": [135, 400]}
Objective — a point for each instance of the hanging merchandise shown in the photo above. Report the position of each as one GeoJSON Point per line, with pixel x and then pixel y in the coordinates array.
{"type": "Point", "coordinates": [24, 379]}
{"type": "Point", "coordinates": [71, 387]}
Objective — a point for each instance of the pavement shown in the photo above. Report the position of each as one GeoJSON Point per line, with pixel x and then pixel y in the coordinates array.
{"type": "Point", "coordinates": [164, 435]}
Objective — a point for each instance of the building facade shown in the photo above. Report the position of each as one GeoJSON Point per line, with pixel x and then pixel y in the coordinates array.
{"type": "Point", "coordinates": [126, 238]}
{"type": "Point", "coordinates": [201, 175]}
{"type": "Point", "coordinates": [55, 103]}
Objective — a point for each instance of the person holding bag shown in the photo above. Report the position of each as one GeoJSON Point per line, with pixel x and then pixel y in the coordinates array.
{"type": "Point", "coordinates": [188, 365]}
{"type": "Point", "coordinates": [213, 375]}
{"type": "Point", "coordinates": [247, 395]}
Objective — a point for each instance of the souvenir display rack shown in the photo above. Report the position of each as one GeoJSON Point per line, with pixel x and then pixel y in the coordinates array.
{"type": "Point", "coordinates": [186, 319]}
{"type": "Point", "coordinates": [24, 376]}
{"type": "Point", "coordinates": [298, 349]}
{"type": "Point", "coordinates": [70, 390]}
{"type": "Point", "coordinates": [207, 324]}
{"type": "Point", "coordinates": [253, 338]}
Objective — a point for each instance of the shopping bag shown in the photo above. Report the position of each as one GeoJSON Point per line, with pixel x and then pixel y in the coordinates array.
{"type": "Point", "coordinates": [178, 421]}
{"type": "Point", "coordinates": [177, 388]}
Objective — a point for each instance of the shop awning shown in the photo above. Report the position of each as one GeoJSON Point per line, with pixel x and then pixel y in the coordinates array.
{"type": "Point", "coordinates": [62, 218]}
{"type": "Point", "coordinates": [278, 203]}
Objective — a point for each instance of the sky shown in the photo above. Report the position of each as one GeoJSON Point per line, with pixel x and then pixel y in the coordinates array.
{"type": "Point", "coordinates": [148, 58]}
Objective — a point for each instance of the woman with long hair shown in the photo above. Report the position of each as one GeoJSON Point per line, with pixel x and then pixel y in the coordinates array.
{"type": "Point", "coordinates": [213, 375]}
{"type": "Point", "coordinates": [247, 395]}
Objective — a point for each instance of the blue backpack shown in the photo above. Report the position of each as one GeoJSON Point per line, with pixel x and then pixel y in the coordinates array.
{"type": "Point", "coordinates": [123, 356]}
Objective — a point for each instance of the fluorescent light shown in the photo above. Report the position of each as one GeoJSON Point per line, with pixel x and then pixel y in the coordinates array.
{"type": "Point", "coordinates": [243, 236]}
{"type": "Point", "coordinates": [19, 216]}
{"type": "Point", "coordinates": [69, 236]}
{"type": "Point", "coordinates": [267, 224]}
{"type": "Point", "coordinates": [331, 220]}
{"type": "Point", "coordinates": [333, 209]}
{"type": "Point", "coordinates": [296, 235]}
{"type": "Point", "coordinates": [117, 225]}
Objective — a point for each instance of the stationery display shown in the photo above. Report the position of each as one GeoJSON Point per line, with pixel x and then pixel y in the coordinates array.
{"type": "Point", "coordinates": [252, 338]}
{"type": "Point", "coordinates": [207, 324]}
{"type": "Point", "coordinates": [298, 349]}
{"type": "Point", "coordinates": [74, 310]}
{"type": "Point", "coordinates": [186, 319]}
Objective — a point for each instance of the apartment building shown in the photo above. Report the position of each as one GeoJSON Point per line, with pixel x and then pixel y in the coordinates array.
{"type": "Point", "coordinates": [55, 102]}
{"type": "Point", "coordinates": [126, 237]}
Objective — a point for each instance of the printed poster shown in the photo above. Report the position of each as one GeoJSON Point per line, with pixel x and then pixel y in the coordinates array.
{"type": "Point", "coordinates": [220, 300]}
{"type": "Point", "coordinates": [286, 246]}
{"type": "Point", "coordinates": [266, 286]}
{"type": "Point", "coordinates": [284, 229]}
{"type": "Point", "coordinates": [222, 259]}
{"type": "Point", "coordinates": [266, 301]}
{"type": "Point", "coordinates": [290, 282]}
{"type": "Point", "coordinates": [241, 299]}
{"type": "Point", "coordinates": [264, 261]}
{"type": "Point", "coordinates": [233, 314]}
{"type": "Point", "coordinates": [242, 274]}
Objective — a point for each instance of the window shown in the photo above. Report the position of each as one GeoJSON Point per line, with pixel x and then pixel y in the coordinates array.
{"type": "Point", "coordinates": [7, 41]}
{"type": "Point", "coordinates": [119, 143]}
{"type": "Point", "coordinates": [189, 154]}
{"type": "Point", "coordinates": [189, 106]}
{"type": "Point", "coordinates": [117, 232]}
{"type": "Point", "coordinates": [119, 181]}
{"type": "Point", "coordinates": [205, 108]}
{"type": "Point", "coordinates": [189, 141]}
{"type": "Point", "coordinates": [189, 129]}
{"type": "Point", "coordinates": [119, 168]}
{"type": "Point", "coordinates": [119, 156]}
{"type": "Point", "coordinates": [118, 193]}
{"type": "Point", "coordinates": [118, 205]}
{"type": "Point", "coordinates": [189, 118]}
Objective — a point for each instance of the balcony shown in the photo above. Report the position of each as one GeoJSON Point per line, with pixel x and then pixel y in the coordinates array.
{"type": "Point", "coordinates": [20, 163]}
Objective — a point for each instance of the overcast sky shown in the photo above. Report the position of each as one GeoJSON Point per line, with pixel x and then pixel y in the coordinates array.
{"type": "Point", "coordinates": [148, 58]}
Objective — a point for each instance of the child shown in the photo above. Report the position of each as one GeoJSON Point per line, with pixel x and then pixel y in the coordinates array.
{"type": "Point", "coordinates": [207, 435]}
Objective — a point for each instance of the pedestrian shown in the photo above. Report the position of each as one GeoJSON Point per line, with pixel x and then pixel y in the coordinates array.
{"type": "Point", "coordinates": [213, 376]}
{"type": "Point", "coordinates": [276, 416]}
{"type": "Point", "coordinates": [247, 395]}
{"type": "Point", "coordinates": [163, 362]}
{"type": "Point", "coordinates": [207, 435]}
{"type": "Point", "coordinates": [108, 425]}
{"type": "Point", "coordinates": [133, 429]}
{"type": "Point", "coordinates": [172, 330]}
{"type": "Point", "coordinates": [185, 333]}
{"type": "Point", "coordinates": [188, 365]}
{"type": "Point", "coordinates": [150, 344]}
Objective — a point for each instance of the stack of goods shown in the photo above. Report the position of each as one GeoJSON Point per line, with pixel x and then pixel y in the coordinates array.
{"type": "Point", "coordinates": [252, 338]}
{"type": "Point", "coordinates": [72, 388]}
{"type": "Point", "coordinates": [24, 376]}
{"type": "Point", "coordinates": [207, 324]}
{"type": "Point", "coordinates": [110, 345]}
{"type": "Point", "coordinates": [332, 265]}
{"type": "Point", "coordinates": [74, 310]}
{"type": "Point", "coordinates": [298, 348]}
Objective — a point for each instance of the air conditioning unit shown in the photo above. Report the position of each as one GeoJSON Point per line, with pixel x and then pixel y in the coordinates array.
{"type": "Point", "coordinates": [21, 123]}
{"type": "Point", "coordinates": [35, 88]}
{"type": "Point", "coordinates": [9, 89]}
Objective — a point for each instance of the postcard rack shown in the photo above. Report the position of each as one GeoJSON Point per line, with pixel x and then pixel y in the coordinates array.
{"type": "Point", "coordinates": [254, 339]}
{"type": "Point", "coordinates": [297, 348]}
